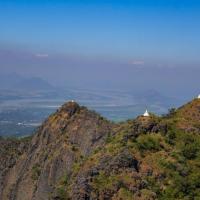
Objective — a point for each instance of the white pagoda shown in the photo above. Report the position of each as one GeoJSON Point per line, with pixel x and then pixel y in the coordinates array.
{"type": "Point", "coordinates": [146, 114]}
{"type": "Point", "coordinates": [198, 96]}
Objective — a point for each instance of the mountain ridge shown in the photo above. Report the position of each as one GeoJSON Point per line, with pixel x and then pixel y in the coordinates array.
{"type": "Point", "coordinates": [78, 154]}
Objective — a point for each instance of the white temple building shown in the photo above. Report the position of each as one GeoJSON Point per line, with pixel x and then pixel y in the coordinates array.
{"type": "Point", "coordinates": [146, 114]}
{"type": "Point", "coordinates": [198, 97]}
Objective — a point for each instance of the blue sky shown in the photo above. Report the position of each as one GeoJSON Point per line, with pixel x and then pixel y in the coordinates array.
{"type": "Point", "coordinates": [166, 30]}
{"type": "Point", "coordinates": [56, 34]}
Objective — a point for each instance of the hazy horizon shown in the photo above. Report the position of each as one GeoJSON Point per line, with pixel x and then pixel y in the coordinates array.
{"type": "Point", "coordinates": [125, 45]}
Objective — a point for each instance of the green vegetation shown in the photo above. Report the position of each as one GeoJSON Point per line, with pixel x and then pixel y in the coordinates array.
{"type": "Point", "coordinates": [172, 155]}
{"type": "Point", "coordinates": [61, 189]}
{"type": "Point", "coordinates": [149, 142]}
{"type": "Point", "coordinates": [61, 193]}
{"type": "Point", "coordinates": [125, 194]}
{"type": "Point", "coordinates": [104, 182]}
{"type": "Point", "coordinates": [149, 158]}
{"type": "Point", "coordinates": [36, 170]}
{"type": "Point", "coordinates": [109, 138]}
{"type": "Point", "coordinates": [183, 173]}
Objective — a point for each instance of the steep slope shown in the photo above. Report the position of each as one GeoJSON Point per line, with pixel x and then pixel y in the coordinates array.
{"type": "Point", "coordinates": [10, 151]}
{"type": "Point", "coordinates": [77, 154]}
{"type": "Point", "coordinates": [188, 116]}
{"type": "Point", "coordinates": [68, 135]}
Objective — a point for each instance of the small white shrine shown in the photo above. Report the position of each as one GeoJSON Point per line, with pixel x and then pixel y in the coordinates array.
{"type": "Point", "coordinates": [198, 96]}
{"type": "Point", "coordinates": [146, 114]}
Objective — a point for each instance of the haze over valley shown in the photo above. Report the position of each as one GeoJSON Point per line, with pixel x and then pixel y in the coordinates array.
{"type": "Point", "coordinates": [26, 101]}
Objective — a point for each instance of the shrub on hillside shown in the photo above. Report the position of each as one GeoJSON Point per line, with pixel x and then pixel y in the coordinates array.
{"type": "Point", "coordinates": [149, 142]}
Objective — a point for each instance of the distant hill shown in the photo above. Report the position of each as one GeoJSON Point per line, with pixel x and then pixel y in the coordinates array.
{"type": "Point", "coordinates": [16, 82]}
{"type": "Point", "coordinates": [77, 154]}
{"type": "Point", "coordinates": [151, 98]}
{"type": "Point", "coordinates": [8, 81]}
{"type": "Point", "coordinates": [33, 83]}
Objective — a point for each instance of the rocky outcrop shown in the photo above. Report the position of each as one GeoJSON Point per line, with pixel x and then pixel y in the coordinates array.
{"type": "Point", "coordinates": [70, 134]}
{"type": "Point", "coordinates": [10, 151]}
{"type": "Point", "coordinates": [82, 185]}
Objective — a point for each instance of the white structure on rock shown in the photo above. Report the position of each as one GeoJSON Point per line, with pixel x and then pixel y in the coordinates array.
{"type": "Point", "coordinates": [198, 97]}
{"type": "Point", "coordinates": [146, 114]}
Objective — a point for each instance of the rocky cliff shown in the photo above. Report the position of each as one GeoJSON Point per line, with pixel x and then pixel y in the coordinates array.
{"type": "Point", "coordinates": [77, 154]}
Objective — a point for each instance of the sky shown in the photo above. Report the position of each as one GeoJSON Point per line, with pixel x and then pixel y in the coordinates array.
{"type": "Point", "coordinates": [152, 44]}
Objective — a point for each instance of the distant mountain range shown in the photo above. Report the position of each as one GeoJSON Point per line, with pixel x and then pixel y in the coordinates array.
{"type": "Point", "coordinates": [15, 81]}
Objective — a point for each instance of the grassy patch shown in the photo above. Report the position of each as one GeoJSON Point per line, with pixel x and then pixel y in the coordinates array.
{"type": "Point", "coordinates": [36, 171]}
{"type": "Point", "coordinates": [151, 142]}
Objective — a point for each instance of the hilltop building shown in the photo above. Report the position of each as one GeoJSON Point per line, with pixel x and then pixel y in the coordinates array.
{"type": "Point", "coordinates": [198, 97]}
{"type": "Point", "coordinates": [146, 114]}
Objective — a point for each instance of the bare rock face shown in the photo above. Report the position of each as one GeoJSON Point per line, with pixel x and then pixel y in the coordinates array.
{"type": "Point", "coordinates": [70, 134]}
{"type": "Point", "coordinates": [10, 151]}
{"type": "Point", "coordinates": [82, 185]}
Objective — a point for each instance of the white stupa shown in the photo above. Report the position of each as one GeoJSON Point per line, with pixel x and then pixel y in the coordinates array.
{"type": "Point", "coordinates": [198, 96]}
{"type": "Point", "coordinates": [72, 101]}
{"type": "Point", "coordinates": [146, 114]}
